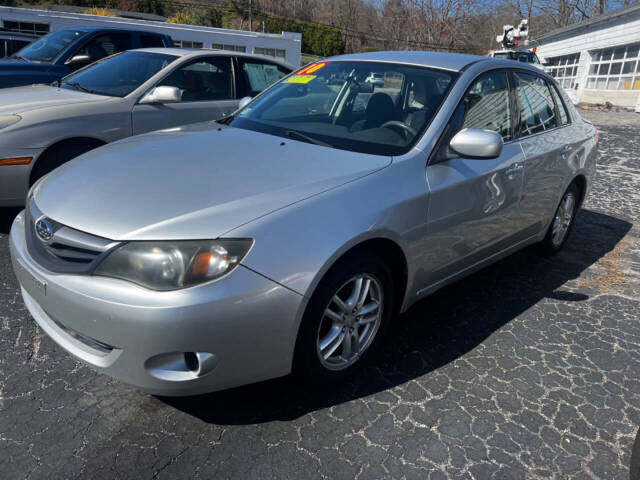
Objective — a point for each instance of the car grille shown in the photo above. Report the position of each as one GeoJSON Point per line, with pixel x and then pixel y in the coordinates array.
{"type": "Point", "coordinates": [67, 250]}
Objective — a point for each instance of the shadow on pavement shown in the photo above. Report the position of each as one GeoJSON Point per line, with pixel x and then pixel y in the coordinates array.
{"type": "Point", "coordinates": [6, 218]}
{"type": "Point", "coordinates": [434, 332]}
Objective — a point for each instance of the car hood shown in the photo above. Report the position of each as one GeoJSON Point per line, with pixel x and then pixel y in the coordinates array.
{"type": "Point", "coordinates": [193, 182]}
{"type": "Point", "coordinates": [37, 97]}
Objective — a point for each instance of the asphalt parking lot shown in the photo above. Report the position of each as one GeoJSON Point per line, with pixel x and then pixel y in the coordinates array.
{"type": "Point", "coordinates": [528, 369]}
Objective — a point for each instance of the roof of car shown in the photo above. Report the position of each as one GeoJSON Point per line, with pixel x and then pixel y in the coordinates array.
{"type": "Point", "coordinates": [196, 52]}
{"type": "Point", "coordinates": [449, 61]}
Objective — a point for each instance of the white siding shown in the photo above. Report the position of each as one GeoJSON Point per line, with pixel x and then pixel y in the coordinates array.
{"type": "Point", "coordinates": [608, 33]}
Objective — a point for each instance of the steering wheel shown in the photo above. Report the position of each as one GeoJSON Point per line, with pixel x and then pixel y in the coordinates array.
{"type": "Point", "coordinates": [403, 127]}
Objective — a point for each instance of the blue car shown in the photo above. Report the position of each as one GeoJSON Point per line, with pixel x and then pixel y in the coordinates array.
{"type": "Point", "coordinates": [60, 53]}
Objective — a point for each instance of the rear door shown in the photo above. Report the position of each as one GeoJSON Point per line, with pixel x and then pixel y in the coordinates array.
{"type": "Point", "coordinates": [545, 136]}
{"type": "Point", "coordinates": [207, 89]}
{"type": "Point", "coordinates": [474, 204]}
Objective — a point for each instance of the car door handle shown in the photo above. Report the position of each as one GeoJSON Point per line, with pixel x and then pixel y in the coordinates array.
{"type": "Point", "coordinates": [513, 169]}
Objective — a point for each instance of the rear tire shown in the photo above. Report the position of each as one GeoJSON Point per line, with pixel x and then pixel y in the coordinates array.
{"type": "Point", "coordinates": [60, 154]}
{"type": "Point", "coordinates": [342, 327]}
{"type": "Point", "coordinates": [562, 223]}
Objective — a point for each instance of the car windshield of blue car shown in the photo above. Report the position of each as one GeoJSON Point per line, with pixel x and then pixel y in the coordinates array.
{"type": "Point", "coordinates": [369, 107]}
{"type": "Point", "coordinates": [50, 46]}
{"type": "Point", "coordinates": [119, 74]}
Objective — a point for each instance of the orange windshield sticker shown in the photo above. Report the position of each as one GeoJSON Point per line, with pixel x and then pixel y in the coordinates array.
{"type": "Point", "coordinates": [314, 67]}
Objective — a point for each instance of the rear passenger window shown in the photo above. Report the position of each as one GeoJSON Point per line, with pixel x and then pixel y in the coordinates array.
{"type": "Point", "coordinates": [537, 112]}
{"type": "Point", "coordinates": [564, 115]}
{"type": "Point", "coordinates": [486, 105]}
{"type": "Point", "coordinates": [150, 41]}
{"type": "Point", "coordinates": [258, 76]}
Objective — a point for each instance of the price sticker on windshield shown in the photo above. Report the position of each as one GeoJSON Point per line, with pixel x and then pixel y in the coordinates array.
{"type": "Point", "coordinates": [299, 79]}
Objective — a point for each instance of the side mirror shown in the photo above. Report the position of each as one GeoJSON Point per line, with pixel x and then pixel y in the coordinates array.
{"type": "Point", "coordinates": [477, 143]}
{"type": "Point", "coordinates": [244, 101]}
{"type": "Point", "coordinates": [78, 61]}
{"type": "Point", "coordinates": [163, 94]}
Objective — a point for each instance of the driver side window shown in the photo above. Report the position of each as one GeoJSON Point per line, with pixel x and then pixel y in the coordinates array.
{"type": "Point", "coordinates": [203, 80]}
{"type": "Point", "coordinates": [105, 45]}
{"type": "Point", "coordinates": [486, 105]}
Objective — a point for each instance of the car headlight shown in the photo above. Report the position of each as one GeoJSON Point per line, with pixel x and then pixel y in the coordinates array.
{"type": "Point", "coordinates": [170, 265]}
{"type": "Point", "coordinates": [8, 120]}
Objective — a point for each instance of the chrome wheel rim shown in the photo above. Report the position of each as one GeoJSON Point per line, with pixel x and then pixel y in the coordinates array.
{"type": "Point", "coordinates": [350, 322]}
{"type": "Point", "coordinates": [563, 219]}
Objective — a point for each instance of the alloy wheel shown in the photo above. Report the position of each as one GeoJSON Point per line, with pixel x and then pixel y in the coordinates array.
{"type": "Point", "coordinates": [563, 219]}
{"type": "Point", "coordinates": [350, 322]}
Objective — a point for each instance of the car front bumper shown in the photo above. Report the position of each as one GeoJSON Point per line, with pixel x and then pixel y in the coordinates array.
{"type": "Point", "coordinates": [245, 323]}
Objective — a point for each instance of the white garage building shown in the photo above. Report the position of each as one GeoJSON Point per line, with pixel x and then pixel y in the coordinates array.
{"type": "Point", "coordinates": [597, 60]}
{"type": "Point", "coordinates": [285, 46]}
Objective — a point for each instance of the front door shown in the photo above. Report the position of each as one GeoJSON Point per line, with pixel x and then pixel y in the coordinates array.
{"type": "Point", "coordinates": [473, 206]}
{"type": "Point", "coordinates": [207, 89]}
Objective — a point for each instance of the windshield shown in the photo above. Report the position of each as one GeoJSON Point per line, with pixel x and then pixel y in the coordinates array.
{"type": "Point", "coordinates": [525, 57]}
{"type": "Point", "coordinates": [528, 57]}
{"type": "Point", "coordinates": [505, 55]}
{"type": "Point", "coordinates": [50, 46]}
{"type": "Point", "coordinates": [332, 103]}
{"type": "Point", "coordinates": [119, 74]}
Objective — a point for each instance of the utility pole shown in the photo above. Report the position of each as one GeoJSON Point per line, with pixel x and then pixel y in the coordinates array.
{"type": "Point", "coordinates": [250, 17]}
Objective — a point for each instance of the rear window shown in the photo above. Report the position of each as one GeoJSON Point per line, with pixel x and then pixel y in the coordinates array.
{"type": "Point", "coordinates": [150, 41]}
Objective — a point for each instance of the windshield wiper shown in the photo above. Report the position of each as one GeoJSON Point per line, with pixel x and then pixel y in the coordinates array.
{"type": "Point", "coordinates": [305, 138]}
{"type": "Point", "coordinates": [18, 57]}
{"type": "Point", "coordinates": [79, 87]}
{"type": "Point", "coordinates": [226, 120]}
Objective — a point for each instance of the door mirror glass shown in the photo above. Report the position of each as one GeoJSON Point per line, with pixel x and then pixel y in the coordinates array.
{"type": "Point", "coordinates": [163, 94]}
{"type": "Point", "coordinates": [78, 61]}
{"type": "Point", "coordinates": [477, 143]}
{"type": "Point", "coordinates": [244, 101]}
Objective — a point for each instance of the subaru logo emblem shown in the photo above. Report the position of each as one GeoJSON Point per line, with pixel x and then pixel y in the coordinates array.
{"type": "Point", "coordinates": [44, 229]}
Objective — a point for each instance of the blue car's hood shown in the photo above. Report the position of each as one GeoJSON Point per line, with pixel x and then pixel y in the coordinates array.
{"type": "Point", "coordinates": [192, 182]}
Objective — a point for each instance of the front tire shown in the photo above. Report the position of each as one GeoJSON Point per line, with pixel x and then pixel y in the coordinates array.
{"type": "Point", "coordinates": [345, 319]}
{"type": "Point", "coordinates": [562, 222]}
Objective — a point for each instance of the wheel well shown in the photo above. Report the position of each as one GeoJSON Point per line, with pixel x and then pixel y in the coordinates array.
{"type": "Point", "coordinates": [87, 142]}
{"type": "Point", "coordinates": [581, 182]}
{"type": "Point", "coordinates": [393, 256]}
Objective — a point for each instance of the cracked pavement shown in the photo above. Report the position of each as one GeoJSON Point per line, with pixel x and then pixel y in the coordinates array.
{"type": "Point", "coordinates": [525, 370]}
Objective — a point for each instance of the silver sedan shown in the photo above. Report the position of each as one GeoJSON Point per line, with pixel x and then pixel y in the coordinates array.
{"type": "Point", "coordinates": [44, 126]}
{"type": "Point", "coordinates": [288, 236]}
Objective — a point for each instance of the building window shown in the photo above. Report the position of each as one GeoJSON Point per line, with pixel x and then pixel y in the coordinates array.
{"type": "Point", "coordinates": [26, 27]}
{"type": "Point", "coordinates": [187, 44]}
{"type": "Point", "coordinates": [231, 48]}
{"type": "Point", "coordinates": [271, 52]}
{"type": "Point", "coordinates": [615, 68]}
{"type": "Point", "coordinates": [564, 69]}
